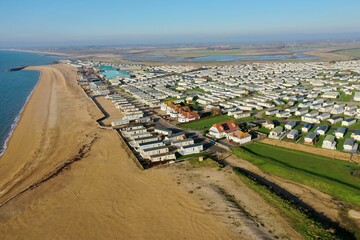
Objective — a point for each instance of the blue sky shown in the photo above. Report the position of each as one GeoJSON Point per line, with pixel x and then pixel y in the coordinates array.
{"type": "Point", "coordinates": [31, 22]}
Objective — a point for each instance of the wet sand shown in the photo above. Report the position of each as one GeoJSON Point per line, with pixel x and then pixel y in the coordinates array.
{"type": "Point", "coordinates": [65, 177]}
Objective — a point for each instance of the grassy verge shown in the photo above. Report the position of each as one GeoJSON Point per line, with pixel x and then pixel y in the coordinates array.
{"type": "Point", "coordinates": [302, 221]}
{"type": "Point", "coordinates": [207, 162]}
{"type": "Point", "coordinates": [335, 177]}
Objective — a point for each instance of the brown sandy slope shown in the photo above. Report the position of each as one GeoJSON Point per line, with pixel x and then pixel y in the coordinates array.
{"type": "Point", "coordinates": [102, 195]}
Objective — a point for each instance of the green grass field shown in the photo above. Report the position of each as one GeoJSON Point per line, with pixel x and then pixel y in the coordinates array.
{"type": "Point", "coordinates": [197, 90]}
{"type": "Point", "coordinates": [345, 98]}
{"type": "Point", "coordinates": [303, 222]}
{"type": "Point", "coordinates": [325, 174]}
{"type": "Point", "coordinates": [351, 52]}
{"type": "Point", "coordinates": [205, 124]}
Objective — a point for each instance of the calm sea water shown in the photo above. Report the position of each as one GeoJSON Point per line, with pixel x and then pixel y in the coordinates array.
{"type": "Point", "coordinates": [16, 88]}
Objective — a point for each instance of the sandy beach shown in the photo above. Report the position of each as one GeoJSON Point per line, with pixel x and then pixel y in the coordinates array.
{"type": "Point", "coordinates": [65, 177]}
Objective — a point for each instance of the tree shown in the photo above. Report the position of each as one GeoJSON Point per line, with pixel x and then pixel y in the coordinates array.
{"type": "Point", "coordinates": [216, 111]}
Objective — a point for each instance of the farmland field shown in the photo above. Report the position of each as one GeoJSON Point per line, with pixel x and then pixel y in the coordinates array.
{"type": "Point", "coordinates": [211, 53]}
{"type": "Point", "coordinates": [335, 177]}
{"type": "Point", "coordinates": [351, 52]}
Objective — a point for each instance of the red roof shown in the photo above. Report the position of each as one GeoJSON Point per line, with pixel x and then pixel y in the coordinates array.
{"type": "Point", "coordinates": [227, 126]}
{"type": "Point", "coordinates": [190, 115]}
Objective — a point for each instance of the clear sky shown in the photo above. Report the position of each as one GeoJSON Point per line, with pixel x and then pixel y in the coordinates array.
{"type": "Point", "coordinates": [31, 22]}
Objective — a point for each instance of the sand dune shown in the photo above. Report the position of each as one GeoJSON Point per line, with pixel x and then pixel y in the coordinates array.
{"type": "Point", "coordinates": [83, 184]}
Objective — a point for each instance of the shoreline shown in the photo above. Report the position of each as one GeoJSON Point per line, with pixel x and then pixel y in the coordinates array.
{"type": "Point", "coordinates": [34, 51]}
{"type": "Point", "coordinates": [60, 164]}
{"type": "Point", "coordinates": [18, 117]}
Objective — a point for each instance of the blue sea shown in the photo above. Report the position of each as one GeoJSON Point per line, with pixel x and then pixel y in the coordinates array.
{"type": "Point", "coordinates": [16, 88]}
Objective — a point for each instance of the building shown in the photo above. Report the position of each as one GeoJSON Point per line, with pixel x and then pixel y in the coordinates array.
{"type": "Point", "coordinates": [162, 157]}
{"type": "Point", "coordinates": [310, 119]}
{"type": "Point", "coordinates": [283, 114]}
{"type": "Point", "coordinates": [290, 125]}
{"type": "Point", "coordinates": [332, 95]}
{"type": "Point", "coordinates": [271, 112]}
{"type": "Point", "coordinates": [293, 134]}
{"type": "Point", "coordinates": [356, 135]}
{"type": "Point", "coordinates": [151, 138]}
{"type": "Point", "coordinates": [277, 132]}
{"type": "Point", "coordinates": [188, 116]}
{"type": "Point", "coordinates": [335, 119]}
{"type": "Point", "coordinates": [174, 137]}
{"type": "Point", "coordinates": [163, 131]}
{"type": "Point", "coordinates": [329, 142]}
{"type": "Point", "coordinates": [184, 142]}
{"type": "Point", "coordinates": [269, 124]}
{"type": "Point", "coordinates": [191, 149]}
{"type": "Point", "coordinates": [310, 138]}
{"type": "Point", "coordinates": [146, 153]}
{"type": "Point", "coordinates": [348, 122]}
{"type": "Point", "coordinates": [302, 111]}
{"type": "Point", "coordinates": [357, 96]}
{"type": "Point", "coordinates": [350, 145]}
{"type": "Point", "coordinates": [140, 135]}
{"type": "Point", "coordinates": [119, 123]}
{"type": "Point", "coordinates": [306, 127]}
{"type": "Point", "coordinates": [324, 116]}
{"type": "Point", "coordinates": [220, 130]}
{"type": "Point", "coordinates": [148, 145]}
{"type": "Point", "coordinates": [321, 130]}
{"type": "Point", "coordinates": [242, 115]}
{"type": "Point", "coordinates": [239, 137]}
{"type": "Point", "coordinates": [340, 132]}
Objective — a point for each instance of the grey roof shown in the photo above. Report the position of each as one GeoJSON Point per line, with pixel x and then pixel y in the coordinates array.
{"type": "Point", "coordinates": [294, 132]}
{"type": "Point", "coordinates": [146, 138]}
{"type": "Point", "coordinates": [336, 117]}
{"type": "Point", "coordinates": [149, 143]}
{"type": "Point", "coordinates": [323, 127]}
{"type": "Point", "coordinates": [292, 123]}
{"type": "Point", "coordinates": [341, 130]}
{"type": "Point", "coordinates": [311, 135]}
{"type": "Point", "coordinates": [350, 119]}
{"type": "Point", "coordinates": [192, 145]}
{"type": "Point", "coordinates": [184, 140]}
{"type": "Point", "coordinates": [155, 148]}
{"type": "Point", "coordinates": [349, 141]}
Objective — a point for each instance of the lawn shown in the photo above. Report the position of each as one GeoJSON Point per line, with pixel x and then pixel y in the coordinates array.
{"type": "Point", "coordinates": [207, 123]}
{"type": "Point", "coordinates": [345, 98]}
{"type": "Point", "coordinates": [197, 90]}
{"type": "Point", "coordinates": [325, 174]}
